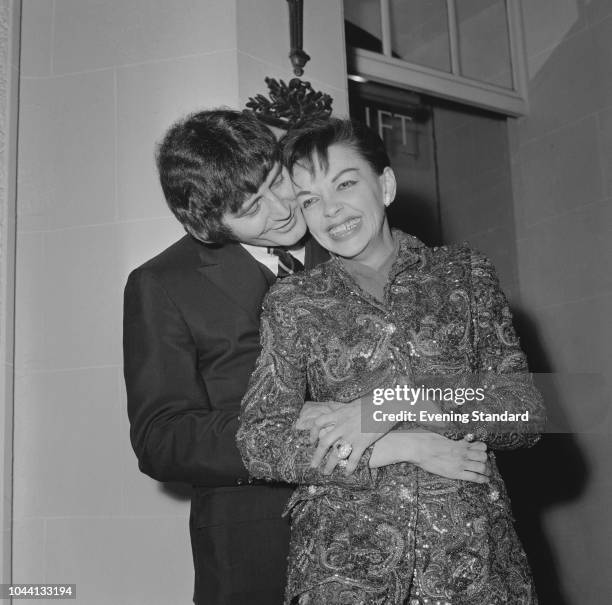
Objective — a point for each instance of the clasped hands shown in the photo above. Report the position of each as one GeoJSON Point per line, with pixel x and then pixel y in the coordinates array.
{"type": "Point", "coordinates": [330, 423]}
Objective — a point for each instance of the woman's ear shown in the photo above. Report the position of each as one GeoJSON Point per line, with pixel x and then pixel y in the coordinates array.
{"type": "Point", "coordinates": [389, 185]}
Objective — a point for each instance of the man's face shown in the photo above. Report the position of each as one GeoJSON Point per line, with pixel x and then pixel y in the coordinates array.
{"type": "Point", "coordinates": [270, 217]}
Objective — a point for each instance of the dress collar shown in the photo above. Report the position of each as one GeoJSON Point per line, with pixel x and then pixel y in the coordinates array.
{"type": "Point", "coordinates": [409, 251]}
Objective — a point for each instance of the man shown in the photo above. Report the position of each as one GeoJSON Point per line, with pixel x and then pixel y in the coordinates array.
{"type": "Point", "coordinates": [191, 339]}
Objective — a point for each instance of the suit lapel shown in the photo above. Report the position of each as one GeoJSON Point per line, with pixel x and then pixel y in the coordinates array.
{"type": "Point", "coordinates": [237, 274]}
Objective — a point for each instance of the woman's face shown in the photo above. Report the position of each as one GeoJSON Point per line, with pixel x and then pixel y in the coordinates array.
{"type": "Point", "coordinates": [344, 206]}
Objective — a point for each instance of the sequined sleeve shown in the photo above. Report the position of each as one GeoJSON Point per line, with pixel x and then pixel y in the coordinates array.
{"type": "Point", "coordinates": [271, 447]}
{"type": "Point", "coordinates": [501, 369]}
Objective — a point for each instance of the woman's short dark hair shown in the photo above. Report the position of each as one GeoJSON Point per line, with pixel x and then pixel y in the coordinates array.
{"type": "Point", "coordinates": [313, 141]}
{"type": "Point", "coordinates": [209, 163]}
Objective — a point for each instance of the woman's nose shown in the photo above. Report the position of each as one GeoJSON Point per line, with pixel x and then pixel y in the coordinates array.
{"type": "Point", "coordinates": [331, 207]}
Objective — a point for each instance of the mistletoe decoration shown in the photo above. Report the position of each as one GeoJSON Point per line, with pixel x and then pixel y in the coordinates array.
{"type": "Point", "coordinates": [290, 105]}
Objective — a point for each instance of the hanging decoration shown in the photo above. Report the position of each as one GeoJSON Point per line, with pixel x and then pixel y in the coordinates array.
{"type": "Point", "coordinates": [290, 105]}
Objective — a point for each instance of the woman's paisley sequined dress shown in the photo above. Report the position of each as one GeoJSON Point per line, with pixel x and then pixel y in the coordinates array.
{"type": "Point", "coordinates": [397, 534]}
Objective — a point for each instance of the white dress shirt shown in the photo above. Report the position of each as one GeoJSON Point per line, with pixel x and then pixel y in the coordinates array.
{"type": "Point", "coordinates": [261, 254]}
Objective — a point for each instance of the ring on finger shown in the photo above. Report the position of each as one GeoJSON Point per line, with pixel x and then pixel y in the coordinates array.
{"type": "Point", "coordinates": [343, 449]}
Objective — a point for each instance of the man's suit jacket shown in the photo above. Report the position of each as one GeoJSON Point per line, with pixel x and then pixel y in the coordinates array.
{"type": "Point", "coordinates": [191, 339]}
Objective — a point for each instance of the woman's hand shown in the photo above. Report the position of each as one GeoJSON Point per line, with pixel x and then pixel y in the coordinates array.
{"type": "Point", "coordinates": [435, 454]}
{"type": "Point", "coordinates": [311, 410]}
{"type": "Point", "coordinates": [341, 424]}
{"type": "Point", "coordinates": [466, 460]}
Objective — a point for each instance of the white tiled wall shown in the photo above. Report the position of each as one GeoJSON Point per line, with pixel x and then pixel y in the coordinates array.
{"type": "Point", "coordinates": [159, 87]}
{"type": "Point", "coordinates": [90, 34]}
{"type": "Point", "coordinates": [67, 175]}
{"type": "Point", "coordinates": [561, 165]}
{"type": "Point", "coordinates": [10, 16]}
{"type": "Point", "coordinates": [100, 83]}
{"type": "Point", "coordinates": [475, 187]}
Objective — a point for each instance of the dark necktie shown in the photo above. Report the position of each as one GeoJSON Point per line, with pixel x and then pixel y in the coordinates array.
{"type": "Point", "coordinates": [287, 263]}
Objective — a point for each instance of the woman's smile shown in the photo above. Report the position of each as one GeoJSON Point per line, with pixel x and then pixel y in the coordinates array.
{"type": "Point", "coordinates": [345, 229]}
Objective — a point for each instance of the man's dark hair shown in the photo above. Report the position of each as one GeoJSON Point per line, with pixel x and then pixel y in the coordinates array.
{"type": "Point", "coordinates": [209, 163]}
{"type": "Point", "coordinates": [313, 141]}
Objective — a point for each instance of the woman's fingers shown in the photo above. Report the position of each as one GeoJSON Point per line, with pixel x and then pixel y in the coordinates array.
{"type": "Point", "coordinates": [353, 460]}
{"type": "Point", "coordinates": [472, 476]}
{"type": "Point", "coordinates": [477, 445]}
{"type": "Point", "coordinates": [309, 413]}
{"type": "Point", "coordinates": [476, 467]}
{"type": "Point", "coordinates": [329, 418]}
{"type": "Point", "coordinates": [349, 464]}
{"type": "Point", "coordinates": [331, 463]}
{"type": "Point", "coordinates": [327, 437]}
{"type": "Point", "coordinates": [320, 423]}
{"type": "Point", "coordinates": [476, 455]}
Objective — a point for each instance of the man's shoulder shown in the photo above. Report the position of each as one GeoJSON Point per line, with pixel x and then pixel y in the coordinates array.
{"type": "Point", "coordinates": [175, 257]}
{"type": "Point", "coordinates": [173, 270]}
{"type": "Point", "coordinates": [189, 270]}
{"type": "Point", "coordinates": [180, 259]}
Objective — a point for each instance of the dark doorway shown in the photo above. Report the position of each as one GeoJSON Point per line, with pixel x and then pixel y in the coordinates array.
{"type": "Point", "coordinates": [405, 124]}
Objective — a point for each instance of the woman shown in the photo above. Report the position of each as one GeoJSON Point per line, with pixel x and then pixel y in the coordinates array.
{"type": "Point", "coordinates": [385, 310]}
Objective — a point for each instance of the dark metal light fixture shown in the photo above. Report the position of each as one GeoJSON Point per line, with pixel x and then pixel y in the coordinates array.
{"type": "Point", "coordinates": [298, 57]}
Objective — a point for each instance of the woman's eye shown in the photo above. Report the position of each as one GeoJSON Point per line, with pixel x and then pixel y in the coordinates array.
{"type": "Point", "coordinates": [308, 202]}
{"type": "Point", "coordinates": [346, 184]}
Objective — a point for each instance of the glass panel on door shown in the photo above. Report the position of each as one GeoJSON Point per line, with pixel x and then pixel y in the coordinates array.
{"type": "Point", "coordinates": [484, 47]}
{"type": "Point", "coordinates": [363, 24]}
{"type": "Point", "coordinates": [419, 32]}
